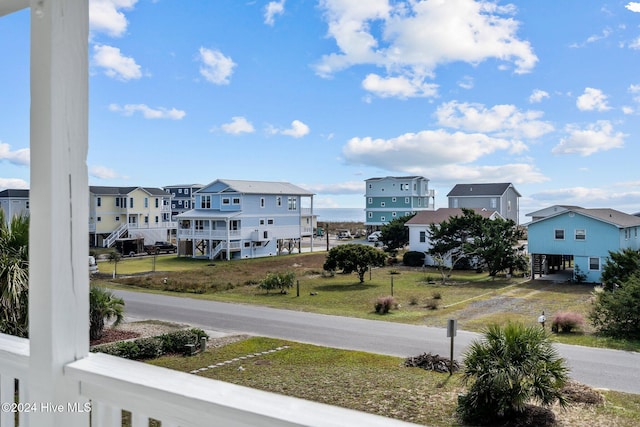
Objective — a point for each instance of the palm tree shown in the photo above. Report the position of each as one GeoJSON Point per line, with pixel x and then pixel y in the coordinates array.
{"type": "Point", "coordinates": [103, 305]}
{"type": "Point", "coordinates": [14, 275]}
{"type": "Point", "coordinates": [512, 366]}
{"type": "Point", "coordinates": [114, 257]}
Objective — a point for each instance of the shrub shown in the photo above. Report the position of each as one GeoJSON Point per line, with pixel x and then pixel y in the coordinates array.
{"type": "Point", "coordinates": [436, 295]}
{"type": "Point", "coordinates": [384, 304]}
{"type": "Point", "coordinates": [432, 304]}
{"type": "Point", "coordinates": [615, 313]}
{"type": "Point", "coordinates": [566, 321]}
{"type": "Point", "coordinates": [413, 300]}
{"type": "Point", "coordinates": [125, 349]}
{"type": "Point", "coordinates": [282, 281]}
{"type": "Point", "coordinates": [413, 259]}
{"type": "Point", "coordinates": [174, 342]}
{"type": "Point", "coordinates": [148, 348]}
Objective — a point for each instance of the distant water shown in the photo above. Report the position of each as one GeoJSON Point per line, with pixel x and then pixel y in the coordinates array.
{"type": "Point", "coordinates": [340, 214]}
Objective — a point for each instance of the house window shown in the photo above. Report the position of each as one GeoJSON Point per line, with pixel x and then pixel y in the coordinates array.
{"type": "Point", "coordinates": [146, 219]}
{"type": "Point", "coordinates": [179, 190]}
{"type": "Point", "coordinates": [262, 202]}
{"type": "Point", "coordinates": [382, 218]}
{"type": "Point", "coordinates": [179, 202]}
{"type": "Point", "coordinates": [157, 219]}
{"type": "Point", "coordinates": [205, 202]}
{"type": "Point", "coordinates": [226, 200]}
{"type": "Point", "coordinates": [509, 206]}
{"type": "Point", "coordinates": [186, 191]}
{"type": "Point", "coordinates": [99, 201]}
{"type": "Point", "coordinates": [406, 200]}
{"type": "Point", "coordinates": [393, 199]}
{"type": "Point", "coordinates": [370, 200]}
{"type": "Point", "coordinates": [131, 202]}
{"type": "Point", "coordinates": [27, 206]}
{"type": "Point", "coordinates": [594, 263]}
{"type": "Point", "coordinates": [423, 236]}
{"type": "Point", "coordinates": [292, 203]}
{"type": "Point", "coordinates": [581, 234]}
{"type": "Point", "coordinates": [494, 203]}
{"type": "Point", "coordinates": [117, 218]}
{"type": "Point", "coordinates": [370, 186]}
{"type": "Point", "coordinates": [199, 224]}
{"type": "Point", "coordinates": [419, 201]}
{"type": "Point", "coordinates": [261, 221]}
{"type": "Point", "coordinates": [415, 186]}
{"type": "Point", "coordinates": [393, 214]}
{"type": "Point", "coordinates": [559, 234]}
{"type": "Point", "coordinates": [146, 202]}
{"type": "Point", "coordinates": [173, 205]}
{"type": "Point", "coordinates": [455, 203]}
{"type": "Point", "coordinates": [187, 204]}
{"type": "Point", "coordinates": [279, 201]}
{"type": "Point", "coordinates": [157, 202]}
{"type": "Point", "coordinates": [236, 200]}
{"type": "Point", "coordinates": [99, 219]}
{"type": "Point", "coordinates": [270, 221]}
{"type": "Point", "coordinates": [382, 204]}
{"type": "Point", "coordinates": [370, 214]}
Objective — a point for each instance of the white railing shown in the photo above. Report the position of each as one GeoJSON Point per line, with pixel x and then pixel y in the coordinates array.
{"type": "Point", "coordinates": [113, 384]}
{"type": "Point", "coordinates": [110, 240]}
{"type": "Point", "coordinates": [188, 233]}
{"type": "Point", "coordinates": [152, 225]}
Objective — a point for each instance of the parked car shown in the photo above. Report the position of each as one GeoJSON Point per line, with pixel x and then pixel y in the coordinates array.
{"type": "Point", "coordinates": [374, 237]}
{"type": "Point", "coordinates": [161, 246]}
{"type": "Point", "coordinates": [93, 265]}
{"type": "Point", "coordinates": [344, 234]}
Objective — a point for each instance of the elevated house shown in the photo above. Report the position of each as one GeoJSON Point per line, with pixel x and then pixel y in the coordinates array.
{"type": "Point", "coordinates": [54, 367]}
{"type": "Point", "coordinates": [245, 219]}
{"type": "Point", "coordinates": [140, 212]}
{"type": "Point", "coordinates": [580, 237]}
{"type": "Point", "coordinates": [391, 197]}
{"type": "Point", "coordinates": [183, 197]}
{"type": "Point", "coordinates": [501, 197]}
{"type": "Point", "coordinates": [420, 224]}
{"type": "Point", "coordinates": [14, 202]}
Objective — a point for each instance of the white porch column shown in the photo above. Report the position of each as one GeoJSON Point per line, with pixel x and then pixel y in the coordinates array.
{"type": "Point", "coordinates": [58, 248]}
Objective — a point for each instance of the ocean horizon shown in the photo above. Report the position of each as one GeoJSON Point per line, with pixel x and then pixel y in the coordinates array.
{"type": "Point", "coordinates": [340, 214]}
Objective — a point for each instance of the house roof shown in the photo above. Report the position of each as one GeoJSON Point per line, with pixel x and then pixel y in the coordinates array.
{"type": "Point", "coordinates": [262, 187]}
{"type": "Point", "coordinates": [11, 193]}
{"type": "Point", "coordinates": [122, 191]}
{"type": "Point", "coordinates": [610, 216]}
{"type": "Point", "coordinates": [396, 177]}
{"type": "Point", "coordinates": [487, 189]}
{"type": "Point", "coordinates": [551, 209]}
{"type": "Point", "coordinates": [184, 186]}
{"type": "Point", "coordinates": [443, 214]}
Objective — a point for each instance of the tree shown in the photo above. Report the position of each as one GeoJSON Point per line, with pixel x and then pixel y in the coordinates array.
{"type": "Point", "coordinates": [282, 281]}
{"type": "Point", "coordinates": [103, 305]}
{"type": "Point", "coordinates": [115, 257]}
{"type": "Point", "coordinates": [495, 244]}
{"type": "Point", "coordinates": [14, 275]}
{"type": "Point", "coordinates": [619, 267]}
{"type": "Point", "coordinates": [353, 257]}
{"type": "Point", "coordinates": [512, 366]}
{"type": "Point", "coordinates": [450, 240]}
{"type": "Point", "coordinates": [615, 313]}
{"type": "Point", "coordinates": [395, 235]}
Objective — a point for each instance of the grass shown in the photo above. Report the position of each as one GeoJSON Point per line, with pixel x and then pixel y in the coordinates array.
{"type": "Point", "coordinates": [368, 382]}
{"type": "Point", "coordinates": [474, 299]}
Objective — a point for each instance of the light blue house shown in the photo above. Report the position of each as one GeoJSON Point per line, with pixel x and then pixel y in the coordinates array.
{"type": "Point", "coordinates": [583, 235]}
{"type": "Point", "coordinates": [235, 219]}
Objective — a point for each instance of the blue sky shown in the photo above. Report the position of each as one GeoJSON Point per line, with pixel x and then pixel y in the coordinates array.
{"type": "Point", "coordinates": [325, 94]}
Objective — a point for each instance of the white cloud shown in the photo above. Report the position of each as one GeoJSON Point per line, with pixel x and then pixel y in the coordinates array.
{"type": "Point", "coordinates": [400, 87]}
{"type": "Point", "coordinates": [271, 10]}
{"type": "Point", "coordinates": [148, 112]}
{"type": "Point", "coordinates": [102, 172]}
{"type": "Point", "coordinates": [501, 120]}
{"type": "Point", "coordinates": [633, 6]}
{"type": "Point", "coordinates": [105, 16]}
{"type": "Point", "coordinates": [237, 126]}
{"type": "Point", "coordinates": [115, 64]}
{"type": "Point", "coordinates": [411, 39]}
{"type": "Point", "coordinates": [13, 183]}
{"type": "Point", "coordinates": [20, 157]}
{"type": "Point", "coordinates": [537, 96]}
{"type": "Point", "coordinates": [216, 67]}
{"type": "Point", "coordinates": [592, 99]}
{"type": "Point", "coordinates": [297, 130]}
{"type": "Point", "coordinates": [348, 187]}
{"type": "Point", "coordinates": [598, 136]}
{"type": "Point", "coordinates": [466, 82]}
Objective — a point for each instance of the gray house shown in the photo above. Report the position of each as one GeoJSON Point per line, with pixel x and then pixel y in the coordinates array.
{"type": "Point", "coordinates": [501, 197]}
{"type": "Point", "coordinates": [14, 202]}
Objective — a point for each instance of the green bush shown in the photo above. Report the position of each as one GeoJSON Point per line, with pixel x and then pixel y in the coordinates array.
{"type": "Point", "coordinates": [282, 281]}
{"type": "Point", "coordinates": [125, 349]}
{"type": "Point", "coordinates": [413, 259]}
{"type": "Point", "coordinates": [174, 342]}
{"type": "Point", "coordinates": [148, 348]}
{"type": "Point", "coordinates": [615, 313]}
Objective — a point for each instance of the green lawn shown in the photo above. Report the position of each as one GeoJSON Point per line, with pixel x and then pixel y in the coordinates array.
{"type": "Point", "coordinates": [474, 299]}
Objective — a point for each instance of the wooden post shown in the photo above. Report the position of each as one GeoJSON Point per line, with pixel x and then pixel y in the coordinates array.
{"type": "Point", "coordinates": [59, 198]}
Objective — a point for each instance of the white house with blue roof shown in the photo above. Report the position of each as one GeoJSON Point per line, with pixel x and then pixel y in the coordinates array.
{"type": "Point", "coordinates": [584, 236]}
{"type": "Point", "coordinates": [235, 219]}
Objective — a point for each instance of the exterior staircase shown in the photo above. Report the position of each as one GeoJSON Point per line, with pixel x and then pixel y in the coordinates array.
{"type": "Point", "coordinates": [117, 233]}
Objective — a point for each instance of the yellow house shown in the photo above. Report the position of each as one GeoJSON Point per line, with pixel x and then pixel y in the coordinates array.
{"type": "Point", "coordinates": [116, 212]}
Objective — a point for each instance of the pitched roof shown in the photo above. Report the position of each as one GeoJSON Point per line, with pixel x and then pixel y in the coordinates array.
{"type": "Point", "coordinates": [396, 177]}
{"type": "Point", "coordinates": [123, 191]}
{"type": "Point", "coordinates": [611, 216]}
{"type": "Point", "coordinates": [263, 187]}
{"type": "Point", "coordinates": [444, 214]}
{"type": "Point", "coordinates": [8, 193]}
{"type": "Point", "coordinates": [488, 189]}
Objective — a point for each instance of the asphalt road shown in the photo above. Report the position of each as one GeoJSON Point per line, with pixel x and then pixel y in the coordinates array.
{"type": "Point", "coordinates": [601, 368]}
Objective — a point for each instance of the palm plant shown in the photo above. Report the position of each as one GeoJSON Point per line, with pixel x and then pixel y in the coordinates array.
{"type": "Point", "coordinates": [511, 367]}
{"type": "Point", "coordinates": [114, 257]}
{"type": "Point", "coordinates": [103, 305]}
{"type": "Point", "coordinates": [14, 275]}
